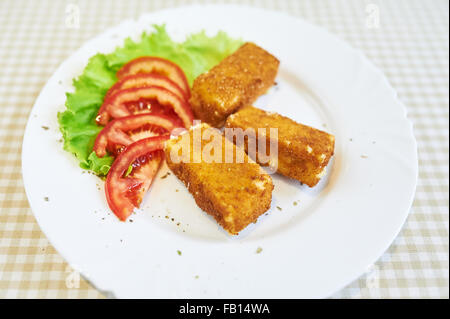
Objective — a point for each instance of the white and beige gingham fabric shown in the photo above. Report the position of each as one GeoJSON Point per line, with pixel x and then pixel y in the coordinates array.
{"type": "Point", "coordinates": [407, 39]}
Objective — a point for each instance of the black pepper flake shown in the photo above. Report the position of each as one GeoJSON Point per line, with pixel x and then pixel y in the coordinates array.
{"type": "Point", "coordinates": [164, 176]}
{"type": "Point", "coordinates": [131, 220]}
{"type": "Point", "coordinates": [46, 199]}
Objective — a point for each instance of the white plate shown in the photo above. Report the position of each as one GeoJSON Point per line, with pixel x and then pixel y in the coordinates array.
{"type": "Point", "coordinates": [337, 230]}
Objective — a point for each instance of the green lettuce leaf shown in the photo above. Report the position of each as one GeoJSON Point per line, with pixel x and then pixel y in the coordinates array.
{"type": "Point", "coordinates": [196, 55]}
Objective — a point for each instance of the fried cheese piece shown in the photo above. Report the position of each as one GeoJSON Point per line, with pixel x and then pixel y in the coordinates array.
{"type": "Point", "coordinates": [303, 151]}
{"type": "Point", "coordinates": [235, 194]}
{"type": "Point", "coordinates": [235, 82]}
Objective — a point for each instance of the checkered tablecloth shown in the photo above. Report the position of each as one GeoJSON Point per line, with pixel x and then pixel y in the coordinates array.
{"type": "Point", "coordinates": [407, 39]}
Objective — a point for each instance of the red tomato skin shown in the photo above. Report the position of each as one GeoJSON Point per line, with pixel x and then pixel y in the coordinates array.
{"type": "Point", "coordinates": [173, 71]}
{"type": "Point", "coordinates": [115, 131]}
{"type": "Point", "coordinates": [115, 105]}
{"type": "Point", "coordinates": [117, 186]}
{"type": "Point", "coordinates": [144, 79]}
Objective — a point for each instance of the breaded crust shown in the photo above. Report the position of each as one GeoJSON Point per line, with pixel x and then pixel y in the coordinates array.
{"type": "Point", "coordinates": [235, 82]}
{"type": "Point", "coordinates": [235, 194]}
{"type": "Point", "coordinates": [303, 151]}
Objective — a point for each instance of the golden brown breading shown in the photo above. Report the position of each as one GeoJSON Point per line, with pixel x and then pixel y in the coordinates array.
{"type": "Point", "coordinates": [235, 82]}
{"type": "Point", "coordinates": [235, 194]}
{"type": "Point", "coordinates": [303, 151]}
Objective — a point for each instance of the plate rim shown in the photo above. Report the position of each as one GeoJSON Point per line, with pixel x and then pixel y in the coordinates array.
{"type": "Point", "coordinates": [367, 62]}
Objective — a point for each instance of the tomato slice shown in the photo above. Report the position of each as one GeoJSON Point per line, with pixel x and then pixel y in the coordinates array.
{"type": "Point", "coordinates": [124, 131]}
{"type": "Point", "coordinates": [123, 103]}
{"type": "Point", "coordinates": [155, 65]}
{"type": "Point", "coordinates": [141, 80]}
{"type": "Point", "coordinates": [141, 106]}
{"type": "Point", "coordinates": [125, 192]}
